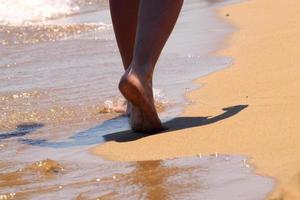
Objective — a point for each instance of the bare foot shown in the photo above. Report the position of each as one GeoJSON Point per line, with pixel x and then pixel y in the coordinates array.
{"type": "Point", "coordinates": [137, 120]}
{"type": "Point", "coordinates": [138, 91]}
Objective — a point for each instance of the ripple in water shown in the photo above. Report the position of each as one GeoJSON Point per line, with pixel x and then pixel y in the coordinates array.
{"type": "Point", "coordinates": [59, 85]}
{"type": "Point", "coordinates": [31, 34]}
{"type": "Point", "coordinates": [209, 177]}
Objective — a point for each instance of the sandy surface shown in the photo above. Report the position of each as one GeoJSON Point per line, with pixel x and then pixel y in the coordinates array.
{"type": "Point", "coordinates": [266, 77]}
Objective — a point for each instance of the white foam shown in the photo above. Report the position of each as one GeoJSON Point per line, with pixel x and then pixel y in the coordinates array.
{"type": "Point", "coordinates": [18, 12]}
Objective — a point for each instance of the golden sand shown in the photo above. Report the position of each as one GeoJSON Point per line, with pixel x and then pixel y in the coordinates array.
{"type": "Point", "coordinates": [266, 77]}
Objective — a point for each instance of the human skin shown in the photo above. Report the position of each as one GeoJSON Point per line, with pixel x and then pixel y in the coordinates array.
{"type": "Point", "coordinates": [124, 17]}
{"type": "Point", "coordinates": [142, 27]}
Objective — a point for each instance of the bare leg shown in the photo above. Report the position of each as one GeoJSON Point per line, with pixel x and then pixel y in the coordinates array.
{"type": "Point", "coordinates": [124, 16]}
{"type": "Point", "coordinates": [156, 21]}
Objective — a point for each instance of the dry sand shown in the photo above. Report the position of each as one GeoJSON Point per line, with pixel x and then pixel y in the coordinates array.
{"type": "Point", "coordinates": [266, 77]}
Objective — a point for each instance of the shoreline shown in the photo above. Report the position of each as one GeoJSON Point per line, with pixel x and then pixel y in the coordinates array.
{"type": "Point", "coordinates": [218, 46]}
{"type": "Point", "coordinates": [261, 77]}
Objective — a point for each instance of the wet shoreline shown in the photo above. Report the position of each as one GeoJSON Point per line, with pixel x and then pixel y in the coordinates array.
{"type": "Point", "coordinates": [53, 111]}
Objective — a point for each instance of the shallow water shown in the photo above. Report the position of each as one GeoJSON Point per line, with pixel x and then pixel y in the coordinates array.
{"type": "Point", "coordinates": [47, 79]}
{"type": "Point", "coordinates": [212, 177]}
{"type": "Point", "coordinates": [59, 73]}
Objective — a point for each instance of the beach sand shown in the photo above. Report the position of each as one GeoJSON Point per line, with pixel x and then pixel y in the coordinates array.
{"type": "Point", "coordinates": [265, 77]}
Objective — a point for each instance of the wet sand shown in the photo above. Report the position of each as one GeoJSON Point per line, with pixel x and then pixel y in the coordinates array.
{"type": "Point", "coordinates": [208, 177]}
{"type": "Point", "coordinates": [59, 87]}
{"type": "Point", "coordinates": [251, 108]}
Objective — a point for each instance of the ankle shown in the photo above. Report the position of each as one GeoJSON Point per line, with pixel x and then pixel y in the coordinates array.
{"type": "Point", "coordinates": [141, 72]}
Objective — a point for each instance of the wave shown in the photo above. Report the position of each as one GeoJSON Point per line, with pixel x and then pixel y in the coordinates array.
{"type": "Point", "coordinates": [15, 12]}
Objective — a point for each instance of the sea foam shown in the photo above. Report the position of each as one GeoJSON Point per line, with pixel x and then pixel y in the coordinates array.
{"type": "Point", "coordinates": [19, 12]}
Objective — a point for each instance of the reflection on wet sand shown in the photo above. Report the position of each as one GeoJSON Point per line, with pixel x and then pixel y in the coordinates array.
{"type": "Point", "coordinates": [213, 177]}
{"type": "Point", "coordinates": [152, 177]}
{"type": "Point", "coordinates": [149, 180]}
{"type": "Point", "coordinates": [46, 80]}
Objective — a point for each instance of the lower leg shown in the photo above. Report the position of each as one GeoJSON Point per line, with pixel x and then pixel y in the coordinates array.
{"type": "Point", "coordinates": [124, 18]}
{"type": "Point", "coordinates": [156, 21]}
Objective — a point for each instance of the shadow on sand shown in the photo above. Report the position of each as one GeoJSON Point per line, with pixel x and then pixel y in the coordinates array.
{"type": "Point", "coordinates": [104, 133]}
{"type": "Point", "coordinates": [178, 123]}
